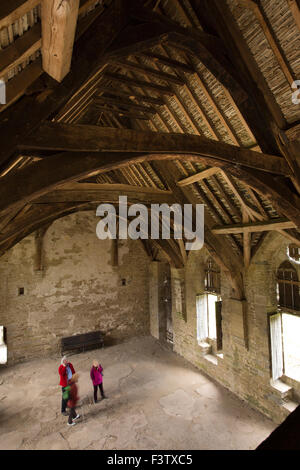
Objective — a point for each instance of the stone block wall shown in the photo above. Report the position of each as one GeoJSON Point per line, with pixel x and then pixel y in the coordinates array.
{"type": "Point", "coordinates": [245, 365]}
{"type": "Point", "coordinates": [77, 291]}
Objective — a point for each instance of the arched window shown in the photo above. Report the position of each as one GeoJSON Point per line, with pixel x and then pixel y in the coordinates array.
{"type": "Point", "coordinates": [288, 287]}
{"type": "Point", "coordinates": [209, 309]}
{"type": "Point", "coordinates": [212, 277]}
{"type": "Point", "coordinates": [293, 252]}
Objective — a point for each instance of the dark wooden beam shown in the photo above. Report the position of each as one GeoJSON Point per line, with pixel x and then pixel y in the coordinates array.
{"type": "Point", "coordinates": [96, 33]}
{"type": "Point", "coordinates": [147, 71]}
{"type": "Point", "coordinates": [83, 138]}
{"type": "Point", "coordinates": [96, 192]}
{"type": "Point", "coordinates": [174, 64]}
{"type": "Point", "coordinates": [119, 112]}
{"type": "Point", "coordinates": [214, 52]}
{"type": "Point", "coordinates": [273, 224]}
{"type": "Point", "coordinates": [124, 80]}
{"type": "Point", "coordinates": [23, 186]}
{"type": "Point", "coordinates": [222, 253]}
{"type": "Point", "coordinates": [24, 46]}
{"type": "Point", "coordinates": [122, 103]}
{"type": "Point", "coordinates": [216, 17]}
{"type": "Point", "coordinates": [117, 92]}
{"type": "Point", "coordinates": [87, 57]}
{"type": "Point", "coordinates": [137, 38]}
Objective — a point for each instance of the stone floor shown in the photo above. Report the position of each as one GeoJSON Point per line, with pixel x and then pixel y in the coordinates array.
{"type": "Point", "coordinates": [156, 401]}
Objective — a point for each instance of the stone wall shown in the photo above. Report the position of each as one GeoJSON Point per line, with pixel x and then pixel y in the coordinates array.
{"type": "Point", "coordinates": [242, 368]}
{"type": "Point", "coordinates": [77, 291]}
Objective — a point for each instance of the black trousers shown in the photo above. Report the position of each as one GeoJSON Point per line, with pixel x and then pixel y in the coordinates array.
{"type": "Point", "coordinates": [72, 415]}
{"type": "Point", "coordinates": [96, 389]}
{"type": "Point", "coordinates": [63, 402]}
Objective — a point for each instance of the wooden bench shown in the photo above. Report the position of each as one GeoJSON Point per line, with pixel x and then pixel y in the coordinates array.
{"type": "Point", "coordinates": [82, 342]}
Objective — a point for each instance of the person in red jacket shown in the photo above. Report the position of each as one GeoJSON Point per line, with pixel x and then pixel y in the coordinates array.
{"type": "Point", "coordinates": [73, 399]}
{"type": "Point", "coordinates": [66, 371]}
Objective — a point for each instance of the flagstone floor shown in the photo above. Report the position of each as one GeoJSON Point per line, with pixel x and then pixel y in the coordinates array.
{"type": "Point", "coordinates": [156, 400]}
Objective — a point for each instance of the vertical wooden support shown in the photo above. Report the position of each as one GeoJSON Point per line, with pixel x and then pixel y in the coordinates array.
{"type": "Point", "coordinates": [245, 323]}
{"type": "Point", "coordinates": [246, 241]}
{"type": "Point", "coordinates": [59, 19]}
{"type": "Point", "coordinates": [114, 252]}
{"type": "Point", "coordinates": [39, 242]}
{"type": "Point", "coordinates": [178, 293]}
{"type": "Point", "coordinates": [247, 248]}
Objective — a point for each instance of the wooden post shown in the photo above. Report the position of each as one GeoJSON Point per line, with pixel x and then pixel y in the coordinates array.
{"type": "Point", "coordinates": [114, 252]}
{"type": "Point", "coordinates": [39, 241]}
{"type": "Point", "coordinates": [59, 19]}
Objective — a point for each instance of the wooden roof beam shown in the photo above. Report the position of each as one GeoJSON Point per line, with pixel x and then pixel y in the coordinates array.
{"type": "Point", "coordinates": [271, 38]}
{"type": "Point", "coordinates": [217, 16]}
{"type": "Point", "coordinates": [119, 112]}
{"type": "Point", "coordinates": [78, 138]}
{"type": "Point", "coordinates": [295, 9]}
{"type": "Point", "coordinates": [252, 213]}
{"type": "Point", "coordinates": [130, 95]}
{"type": "Point", "coordinates": [16, 87]}
{"type": "Point", "coordinates": [146, 71]}
{"type": "Point", "coordinates": [164, 60]}
{"type": "Point", "coordinates": [121, 103]}
{"type": "Point", "coordinates": [161, 90]}
{"type": "Point", "coordinates": [89, 60]}
{"type": "Point", "coordinates": [24, 185]}
{"type": "Point", "coordinates": [277, 224]}
{"type": "Point", "coordinates": [226, 258]}
{"type": "Point", "coordinates": [21, 49]}
{"type": "Point", "coordinates": [59, 20]}
{"type": "Point", "coordinates": [198, 176]}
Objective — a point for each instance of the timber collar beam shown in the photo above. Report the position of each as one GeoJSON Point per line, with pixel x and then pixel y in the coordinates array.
{"type": "Point", "coordinates": [85, 138]}
{"type": "Point", "coordinates": [273, 224]}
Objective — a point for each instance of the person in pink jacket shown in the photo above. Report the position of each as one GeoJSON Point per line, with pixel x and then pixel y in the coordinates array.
{"type": "Point", "coordinates": [97, 379]}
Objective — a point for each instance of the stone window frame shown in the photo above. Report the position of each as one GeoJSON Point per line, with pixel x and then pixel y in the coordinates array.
{"type": "Point", "coordinates": [287, 287]}
{"type": "Point", "coordinates": [284, 386]}
{"type": "Point", "coordinates": [3, 345]}
{"type": "Point", "coordinates": [211, 347]}
{"type": "Point", "coordinates": [212, 280]}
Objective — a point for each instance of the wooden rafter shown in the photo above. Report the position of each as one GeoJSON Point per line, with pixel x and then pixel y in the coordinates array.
{"type": "Point", "coordinates": [225, 258]}
{"type": "Point", "coordinates": [279, 224]}
{"type": "Point", "coordinates": [119, 112]}
{"type": "Point", "coordinates": [164, 60]}
{"type": "Point", "coordinates": [78, 138]}
{"type": "Point", "coordinates": [121, 103]}
{"type": "Point", "coordinates": [147, 71]}
{"type": "Point", "coordinates": [251, 211]}
{"type": "Point", "coordinates": [198, 176]}
{"type": "Point", "coordinates": [246, 69]}
{"type": "Point", "coordinates": [267, 29]}
{"type": "Point", "coordinates": [295, 9]}
{"type": "Point", "coordinates": [132, 96]}
{"type": "Point", "coordinates": [20, 50]}
{"type": "Point", "coordinates": [161, 90]}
